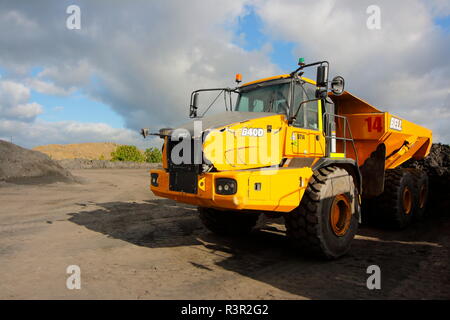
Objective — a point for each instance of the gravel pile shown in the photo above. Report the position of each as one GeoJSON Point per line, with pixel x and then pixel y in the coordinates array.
{"type": "Point", "coordinates": [24, 166]}
{"type": "Point", "coordinates": [437, 166]}
{"type": "Point", "coordinates": [72, 164]}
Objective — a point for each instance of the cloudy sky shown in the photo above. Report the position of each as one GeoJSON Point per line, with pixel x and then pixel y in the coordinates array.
{"type": "Point", "coordinates": [134, 63]}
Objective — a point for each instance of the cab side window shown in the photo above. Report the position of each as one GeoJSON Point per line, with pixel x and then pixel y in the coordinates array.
{"type": "Point", "coordinates": [308, 115]}
{"type": "Point", "coordinates": [243, 104]}
{"type": "Point", "coordinates": [258, 106]}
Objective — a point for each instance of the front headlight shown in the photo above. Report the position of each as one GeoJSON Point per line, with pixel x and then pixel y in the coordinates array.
{"type": "Point", "coordinates": [154, 179]}
{"type": "Point", "coordinates": [226, 186]}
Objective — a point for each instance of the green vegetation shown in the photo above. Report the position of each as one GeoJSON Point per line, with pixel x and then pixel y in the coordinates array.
{"type": "Point", "coordinates": [132, 153]}
{"type": "Point", "coordinates": [153, 155]}
{"type": "Point", "coordinates": [127, 153]}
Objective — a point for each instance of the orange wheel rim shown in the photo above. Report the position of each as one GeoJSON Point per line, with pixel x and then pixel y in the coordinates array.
{"type": "Point", "coordinates": [422, 196]}
{"type": "Point", "coordinates": [407, 200]}
{"type": "Point", "coordinates": [341, 215]}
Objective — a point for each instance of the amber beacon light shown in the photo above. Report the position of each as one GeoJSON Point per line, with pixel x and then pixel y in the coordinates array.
{"type": "Point", "coordinates": [238, 77]}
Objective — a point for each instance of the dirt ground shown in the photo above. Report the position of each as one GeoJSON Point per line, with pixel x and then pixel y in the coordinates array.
{"type": "Point", "coordinates": [130, 244]}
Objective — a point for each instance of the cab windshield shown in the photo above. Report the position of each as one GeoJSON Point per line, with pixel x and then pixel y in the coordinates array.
{"type": "Point", "coordinates": [272, 98]}
{"type": "Point", "coordinates": [275, 98]}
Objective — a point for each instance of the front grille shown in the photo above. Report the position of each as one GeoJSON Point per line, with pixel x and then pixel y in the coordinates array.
{"type": "Point", "coordinates": [183, 176]}
{"type": "Point", "coordinates": [183, 182]}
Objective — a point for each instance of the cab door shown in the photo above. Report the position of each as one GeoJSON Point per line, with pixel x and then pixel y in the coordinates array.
{"type": "Point", "coordinates": [304, 142]}
{"type": "Point", "coordinates": [305, 138]}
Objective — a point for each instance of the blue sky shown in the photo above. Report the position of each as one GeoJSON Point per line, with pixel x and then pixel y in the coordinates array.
{"type": "Point", "coordinates": [76, 107]}
{"type": "Point", "coordinates": [254, 38]}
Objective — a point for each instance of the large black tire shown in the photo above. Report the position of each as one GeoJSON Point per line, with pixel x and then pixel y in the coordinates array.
{"type": "Point", "coordinates": [227, 222]}
{"type": "Point", "coordinates": [420, 193]}
{"type": "Point", "coordinates": [313, 226]}
{"type": "Point", "coordinates": [395, 207]}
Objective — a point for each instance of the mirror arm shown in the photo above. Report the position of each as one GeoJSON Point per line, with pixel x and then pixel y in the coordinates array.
{"type": "Point", "coordinates": [292, 119]}
{"type": "Point", "coordinates": [194, 108]}
{"type": "Point", "coordinates": [310, 65]}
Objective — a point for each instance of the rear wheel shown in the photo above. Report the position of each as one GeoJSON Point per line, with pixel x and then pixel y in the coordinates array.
{"type": "Point", "coordinates": [397, 204]}
{"type": "Point", "coordinates": [326, 221]}
{"type": "Point", "coordinates": [227, 222]}
{"type": "Point", "coordinates": [420, 193]}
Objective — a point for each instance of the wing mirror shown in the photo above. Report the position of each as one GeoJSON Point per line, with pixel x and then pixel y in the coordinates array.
{"type": "Point", "coordinates": [337, 85]}
{"type": "Point", "coordinates": [322, 76]}
{"type": "Point", "coordinates": [193, 107]}
{"type": "Point", "coordinates": [322, 82]}
{"type": "Point", "coordinates": [145, 132]}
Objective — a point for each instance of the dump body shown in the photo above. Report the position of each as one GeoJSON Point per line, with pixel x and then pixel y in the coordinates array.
{"type": "Point", "coordinates": [371, 127]}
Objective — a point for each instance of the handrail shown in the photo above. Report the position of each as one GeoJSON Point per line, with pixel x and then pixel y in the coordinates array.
{"type": "Point", "coordinates": [346, 125]}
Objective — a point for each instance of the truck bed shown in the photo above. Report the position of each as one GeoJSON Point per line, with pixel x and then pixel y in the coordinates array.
{"type": "Point", "coordinates": [371, 128]}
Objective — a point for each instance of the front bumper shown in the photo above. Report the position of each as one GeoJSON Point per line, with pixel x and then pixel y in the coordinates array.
{"type": "Point", "coordinates": [278, 189]}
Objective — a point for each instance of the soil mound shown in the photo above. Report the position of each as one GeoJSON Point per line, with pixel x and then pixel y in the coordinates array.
{"type": "Point", "coordinates": [91, 150]}
{"type": "Point", "coordinates": [72, 164]}
{"type": "Point", "coordinates": [24, 166]}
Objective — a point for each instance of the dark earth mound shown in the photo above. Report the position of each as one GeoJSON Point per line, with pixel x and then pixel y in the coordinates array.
{"type": "Point", "coordinates": [73, 164]}
{"type": "Point", "coordinates": [24, 166]}
{"type": "Point", "coordinates": [437, 166]}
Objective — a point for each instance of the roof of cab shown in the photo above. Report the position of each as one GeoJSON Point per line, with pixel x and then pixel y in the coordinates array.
{"type": "Point", "coordinates": [349, 102]}
{"type": "Point", "coordinates": [282, 76]}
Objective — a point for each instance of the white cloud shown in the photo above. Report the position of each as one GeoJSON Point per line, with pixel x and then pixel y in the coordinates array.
{"type": "Point", "coordinates": [18, 120]}
{"type": "Point", "coordinates": [48, 87]}
{"type": "Point", "coordinates": [17, 18]}
{"type": "Point", "coordinates": [12, 93]}
{"type": "Point", "coordinates": [68, 75]}
{"type": "Point", "coordinates": [62, 132]}
{"type": "Point", "coordinates": [27, 111]}
{"type": "Point", "coordinates": [14, 102]}
{"type": "Point", "coordinates": [440, 8]}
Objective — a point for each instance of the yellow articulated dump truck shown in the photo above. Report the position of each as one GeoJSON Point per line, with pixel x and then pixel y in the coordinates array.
{"type": "Point", "coordinates": [291, 147]}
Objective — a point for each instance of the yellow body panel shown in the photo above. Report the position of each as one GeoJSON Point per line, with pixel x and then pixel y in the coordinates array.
{"type": "Point", "coordinates": [229, 149]}
{"type": "Point", "coordinates": [281, 189]}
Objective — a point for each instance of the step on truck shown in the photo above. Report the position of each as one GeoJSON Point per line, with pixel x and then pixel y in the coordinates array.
{"type": "Point", "coordinates": [308, 151]}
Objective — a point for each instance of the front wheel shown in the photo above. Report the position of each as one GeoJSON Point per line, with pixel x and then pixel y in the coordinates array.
{"type": "Point", "coordinates": [327, 219]}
